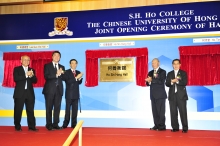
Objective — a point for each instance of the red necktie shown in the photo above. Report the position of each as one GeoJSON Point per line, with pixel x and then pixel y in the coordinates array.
{"type": "Point", "coordinates": [74, 73]}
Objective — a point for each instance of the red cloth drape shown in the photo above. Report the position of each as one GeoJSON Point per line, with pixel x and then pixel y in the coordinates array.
{"type": "Point", "coordinates": [202, 64]}
{"type": "Point", "coordinates": [37, 61]}
{"type": "Point", "coordinates": [92, 63]}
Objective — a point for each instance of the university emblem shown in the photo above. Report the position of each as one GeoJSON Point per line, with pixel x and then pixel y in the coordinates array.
{"type": "Point", "coordinates": [60, 27]}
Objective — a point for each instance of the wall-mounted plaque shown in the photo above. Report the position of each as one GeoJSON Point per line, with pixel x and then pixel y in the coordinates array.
{"type": "Point", "coordinates": [116, 70]}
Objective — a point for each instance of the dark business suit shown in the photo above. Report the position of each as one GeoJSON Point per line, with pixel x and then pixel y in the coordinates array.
{"type": "Point", "coordinates": [178, 100]}
{"type": "Point", "coordinates": [72, 97]}
{"type": "Point", "coordinates": [24, 96]}
{"type": "Point", "coordinates": [158, 97]}
{"type": "Point", "coordinates": [53, 93]}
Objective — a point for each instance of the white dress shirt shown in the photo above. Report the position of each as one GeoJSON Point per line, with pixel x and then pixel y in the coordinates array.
{"type": "Point", "coordinates": [156, 69]}
{"type": "Point", "coordinates": [57, 66]}
{"type": "Point", "coordinates": [175, 73]}
{"type": "Point", "coordinates": [25, 70]}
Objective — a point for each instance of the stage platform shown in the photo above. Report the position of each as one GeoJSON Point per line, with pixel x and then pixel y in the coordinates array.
{"type": "Point", "coordinates": [108, 137]}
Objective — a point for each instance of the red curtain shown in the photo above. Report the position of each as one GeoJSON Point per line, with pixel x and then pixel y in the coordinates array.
{"type": "Point", "coordinates": [8, 80]}
{"type": "Point", "coordinates": [202, 64]}
{"type": "Point", "coordinates": [92, 63]}
{"type": "Point", "coordinates": [13, 59]}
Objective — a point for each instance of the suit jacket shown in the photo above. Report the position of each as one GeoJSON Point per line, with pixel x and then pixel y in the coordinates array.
{"type": "Point", "coordinates": [72, 85]}
{"type": "Point", "coordinates": [157, 86]}
{"type": "Point", "coordinates": [181, 86]}
{"type": "Point", "coordinates": [20, 81]}
{"type": "Point", "coordinates": [51, 79]}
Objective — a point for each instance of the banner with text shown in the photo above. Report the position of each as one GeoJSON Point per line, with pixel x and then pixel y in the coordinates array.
{"type": "Point", "coordinates": [146, 20]}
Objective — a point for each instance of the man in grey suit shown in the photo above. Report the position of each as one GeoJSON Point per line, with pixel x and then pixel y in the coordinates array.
{"type": "Point", "coordinates": [177, 81]}
{"type": "Point", "coordinates": [156, 80]}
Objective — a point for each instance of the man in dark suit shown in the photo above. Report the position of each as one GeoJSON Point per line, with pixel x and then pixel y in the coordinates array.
{"type": "Point", "coordinates": [73, 79]}
{"type": "Point", "coordinates": [156, 80]}
{"type": "Point", "coordinates": [177, 81]}
{"type": "Point", "coordinates": [24, 77]}
{"type": "Point", "coordinates": [53, 90]}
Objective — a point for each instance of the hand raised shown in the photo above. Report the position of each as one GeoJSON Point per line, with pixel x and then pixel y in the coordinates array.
{"type": "Point", "coordinates": [29, 73]}
{"type": "Point", "coordinates": [148, 79]}
{"type": "Point", "coordinates": [61, 71]}
{"type": "Point", "coordinates": [174, 80]}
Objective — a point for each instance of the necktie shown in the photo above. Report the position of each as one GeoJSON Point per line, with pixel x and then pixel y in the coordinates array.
{"type": "Point", "coordinates": [155, 73]}
{"type": "Point", "coordinates": [25, 70]}
{"type": "Point", "coordinates": [56, 72]}
{"type": "Point", "coordinates": [175, 83]}
{"type": "Point", "coordinates": [74, 73]}
{"type": "Point", "coordinates": [55, 67]}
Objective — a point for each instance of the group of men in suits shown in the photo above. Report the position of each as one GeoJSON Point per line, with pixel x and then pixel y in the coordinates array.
{"type": "Point", "coordinates": [54, 74]}
{"type": "Point", "coordinates": [176, 80]}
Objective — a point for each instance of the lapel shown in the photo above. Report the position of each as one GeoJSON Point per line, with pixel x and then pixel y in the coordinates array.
{"type": "Point", "coordinates": [22, 70]}
{"type": "Point", "coordinates": [173, 74]}
{"type": "Point", "coordinates": [71, 73]}
{"type": "Point", "coordinates": [152, 73]}
{"type": "Point", "coordinates": [77, 72]}
{"type": "Point", "coordinates": [29, 68]}
{"type": "Point", "coordinates": [173, 77]}
{"type": "Point", "coordinates": [178, 74]}
{"type": "Point", "coordinates": [158, 71]}
{"type": "Point", "coordinates": [59, 66]}
{"type": "Point", "coordinates": [52, 67]}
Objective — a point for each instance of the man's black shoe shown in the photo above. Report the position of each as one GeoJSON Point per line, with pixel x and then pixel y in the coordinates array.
{"type": "Point", "coordinates": [174, 130]}
{"type": "Point", "coordinates": [57, 128]}
{"type": "Point", "coordinates": [64, 127]}
{"type": "Point", "coordinates": [33, 129]}
{"type": "Point", "coordinates": [154, 128]}
{"type": "Point", "coordinates": [184, 131]}
{"type": "Point", "coordinates": [161, 129]}
{"type": "Point", "coordinates": [18, 129]}
{"type": "Point", "coordinates": [50, 128]}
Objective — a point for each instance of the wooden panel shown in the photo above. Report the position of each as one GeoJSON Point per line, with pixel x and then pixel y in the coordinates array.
{"type": "Point", "coordinates": [16, 1]}
{"type": "Point", "coordinates": [19, 2]}
{"type": "Point", "coordinates": [79, 5]}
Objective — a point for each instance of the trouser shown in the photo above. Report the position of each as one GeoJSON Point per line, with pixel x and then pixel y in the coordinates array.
{"type": "Point", "coordinates": [158, 110]}
{"type": "Point", "coordinates": [19, 103]}
{"type": "Point", "coordinates": [175, 105]}
{"type": "Point", "coordinates": [53, 102]}
{"type": "Point", "coordinates": [74, 104]}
